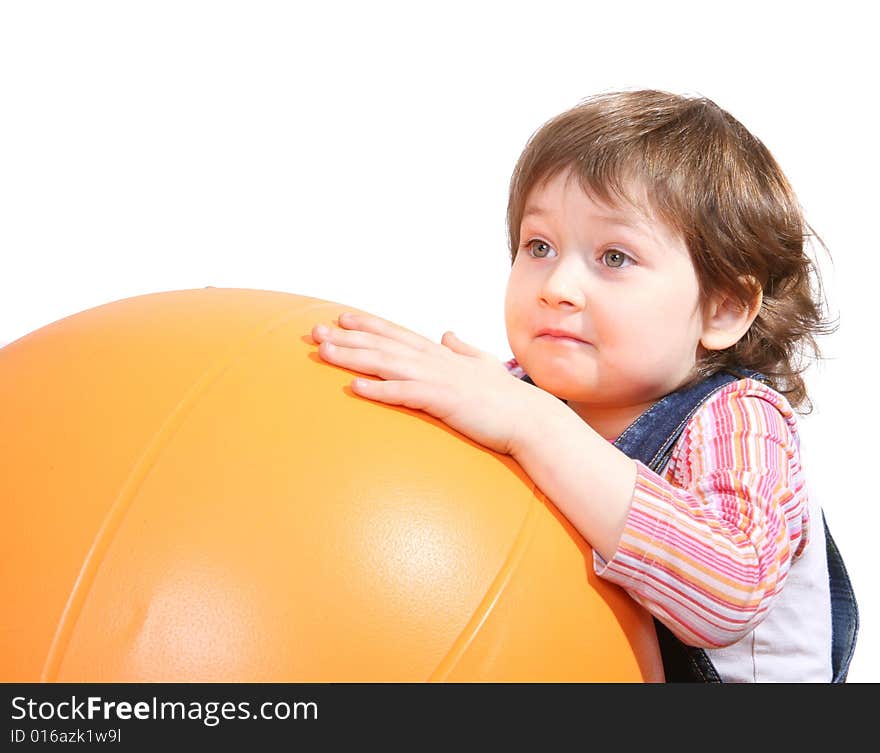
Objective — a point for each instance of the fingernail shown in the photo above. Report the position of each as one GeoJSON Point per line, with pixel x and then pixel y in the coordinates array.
{"type": "Point", "coordinates": [321, 330]}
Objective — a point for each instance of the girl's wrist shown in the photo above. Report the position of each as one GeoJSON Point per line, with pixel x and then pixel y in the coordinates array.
{"type": "Point", "coordinates": [542, 419]}
{"type": "Point", "coordinates": [588, 479]}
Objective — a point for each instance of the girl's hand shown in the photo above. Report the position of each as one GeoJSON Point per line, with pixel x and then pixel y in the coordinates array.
{"type": "Point", "coordinates": [469, 390]}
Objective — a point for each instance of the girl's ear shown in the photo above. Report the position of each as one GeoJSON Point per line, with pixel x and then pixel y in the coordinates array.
{"type": "Point", "coordinates": [726, 320]}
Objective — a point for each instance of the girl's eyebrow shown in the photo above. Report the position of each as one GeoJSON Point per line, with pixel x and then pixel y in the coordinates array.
{"type": "Point", "coordinates": [534, 210]}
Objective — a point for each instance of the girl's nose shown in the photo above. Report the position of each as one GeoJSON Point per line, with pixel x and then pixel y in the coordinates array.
{"type": "Point", "coordinates": [564, 287]}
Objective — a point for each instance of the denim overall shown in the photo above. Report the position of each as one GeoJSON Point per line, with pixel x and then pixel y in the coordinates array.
{"type": "Point", "coordinates": [651, 439]}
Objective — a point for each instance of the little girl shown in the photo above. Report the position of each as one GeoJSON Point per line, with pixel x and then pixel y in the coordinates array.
{"type": "Point", "coordinates": [654, 242]}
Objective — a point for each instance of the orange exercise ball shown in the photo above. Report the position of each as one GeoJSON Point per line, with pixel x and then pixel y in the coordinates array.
{"type": "Point", "coordinates": [190, 494]}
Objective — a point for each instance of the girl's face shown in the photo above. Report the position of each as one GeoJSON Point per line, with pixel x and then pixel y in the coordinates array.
{"type": "Point", "coordinates": [602, 306]}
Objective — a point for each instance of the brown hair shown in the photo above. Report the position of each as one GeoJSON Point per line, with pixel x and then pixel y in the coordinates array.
{"type": "Point", "coordinates": [711, 180]}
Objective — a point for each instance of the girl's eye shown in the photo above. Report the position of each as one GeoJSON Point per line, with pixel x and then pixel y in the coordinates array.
{"type": "Point", "coordinates": [539, 249]}
{"type": "Point", "coordinates": [614, 258]}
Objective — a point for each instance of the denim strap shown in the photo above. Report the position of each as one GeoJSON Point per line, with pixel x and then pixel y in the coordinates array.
{"type": "Point", "coordinates": [844, 611]}
{"type": "Point", "coordinates": [652, 436]}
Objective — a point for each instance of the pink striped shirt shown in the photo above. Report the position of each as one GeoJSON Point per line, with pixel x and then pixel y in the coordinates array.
{"type": "Point", "coordinates": [708, 544]}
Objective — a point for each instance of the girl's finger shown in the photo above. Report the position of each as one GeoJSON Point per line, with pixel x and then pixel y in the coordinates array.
{"type": "Point", "coordinates": [409, 394]}
{"type": "Point", "coordinates": [354, 338]}
{"type": "Point", "coordinates": [378, 326]}
{"type": "Point", "coordinates": [382, 363]}
{"type": "Point", "coordinates": [451, 341]}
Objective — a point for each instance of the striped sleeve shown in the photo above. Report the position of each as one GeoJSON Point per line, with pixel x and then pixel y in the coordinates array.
{"type": "Point", "coordinates": [514, 369]}
{"type": "Point", "coordinates": [708, 545]}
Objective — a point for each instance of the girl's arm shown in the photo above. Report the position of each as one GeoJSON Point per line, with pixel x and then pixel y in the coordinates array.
{"type": "Point", "coordinates": [707, 547]}
{"type": "Point", "coordinates": [708, 556]}
{"type": "Point", "coordinates": [583, 474]}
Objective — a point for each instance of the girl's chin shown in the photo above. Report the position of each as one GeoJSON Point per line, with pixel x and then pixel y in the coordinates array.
{"type": "Point", "coordinates": [559, 385]}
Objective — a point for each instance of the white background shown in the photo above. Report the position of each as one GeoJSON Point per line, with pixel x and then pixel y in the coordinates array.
{"type": "Point", "coordinates": [360, 152]}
